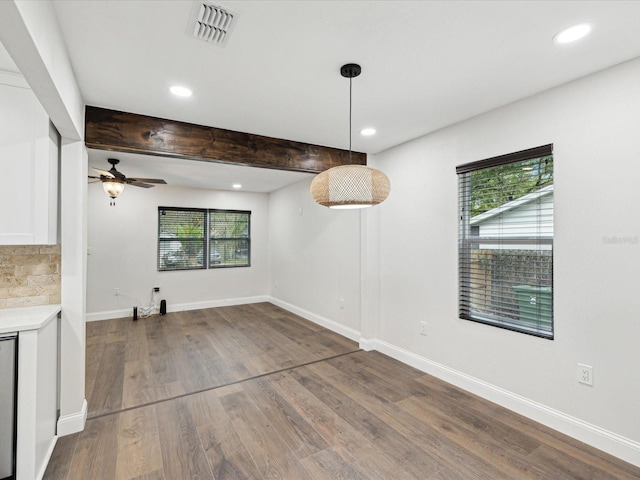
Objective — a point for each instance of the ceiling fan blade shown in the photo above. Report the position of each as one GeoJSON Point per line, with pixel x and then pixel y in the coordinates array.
{"type": "Point", "coordinates": [147, 180]}
{"type": "Point", "coordinates": [93, 180]}
{"type": "Point", "coordinates": [140, 184]}
{"type": "Point", "coordinates": [104, 173]}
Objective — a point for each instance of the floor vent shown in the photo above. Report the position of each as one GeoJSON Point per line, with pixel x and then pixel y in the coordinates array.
{"type": "Point", "coordinates": [212, 23]}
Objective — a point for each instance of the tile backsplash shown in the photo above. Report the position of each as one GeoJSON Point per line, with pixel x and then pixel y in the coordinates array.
{"type": "Point", "coordinates": [29, 275]}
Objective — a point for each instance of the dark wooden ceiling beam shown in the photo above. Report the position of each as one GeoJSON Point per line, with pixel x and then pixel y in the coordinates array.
{"type": "Point", "coordinates": [133, 133]}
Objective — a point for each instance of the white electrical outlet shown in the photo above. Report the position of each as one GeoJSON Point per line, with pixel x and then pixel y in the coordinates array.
{"type": "Point", "coordinates": [341, 304]}
{"type": "Point", "coordinates": [585, 374]}
{"type": "Point", "coordinates": [117, 292]}
{"type": "Point", "coordinates": [423, 328]}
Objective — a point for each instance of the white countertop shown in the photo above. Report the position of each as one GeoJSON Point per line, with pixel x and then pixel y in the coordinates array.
{"type": "Point", "coordinates": [27, 318]}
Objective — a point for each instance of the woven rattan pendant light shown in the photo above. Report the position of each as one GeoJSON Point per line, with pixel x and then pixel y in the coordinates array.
{"type": "Point", "coordinates": [350, 186]}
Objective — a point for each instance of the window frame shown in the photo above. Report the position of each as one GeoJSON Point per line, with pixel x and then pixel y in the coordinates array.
{"type": "Point", "coordinates": [468, 243]}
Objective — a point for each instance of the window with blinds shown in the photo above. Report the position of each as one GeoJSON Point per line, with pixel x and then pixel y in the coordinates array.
{"type": "Point", "coordinates": [192, 238]}
{"type": "Point", "coordinates": [506, 241]}
{"type": "Point", "coordinates": [229, 239]}
{"type": "Point", "coordinates": [181, 238]}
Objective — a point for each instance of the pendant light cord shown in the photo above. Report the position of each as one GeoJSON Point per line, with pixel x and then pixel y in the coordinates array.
{"type": "Point", "coordinates": [350, 108]}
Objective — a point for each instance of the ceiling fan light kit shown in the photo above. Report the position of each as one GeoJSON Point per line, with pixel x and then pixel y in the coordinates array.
{"type": "Point", "coordinates": [113, 187]}
{"type": "Point", "coordinates": [350, 186]}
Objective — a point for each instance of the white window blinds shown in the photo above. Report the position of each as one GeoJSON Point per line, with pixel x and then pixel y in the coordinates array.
{"type": "Point", "coordinates": [506, 241]}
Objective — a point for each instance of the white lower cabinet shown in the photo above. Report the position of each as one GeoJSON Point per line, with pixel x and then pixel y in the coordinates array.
{"type": "Point", "coordinates": [37, 385]}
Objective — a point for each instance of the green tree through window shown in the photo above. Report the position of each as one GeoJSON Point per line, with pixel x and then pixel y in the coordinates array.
{"type": "Point", "coordinates": [492, 187]}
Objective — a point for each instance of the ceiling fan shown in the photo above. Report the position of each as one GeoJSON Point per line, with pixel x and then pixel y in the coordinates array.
{"type": "Point", "coordinates": [113, 181]}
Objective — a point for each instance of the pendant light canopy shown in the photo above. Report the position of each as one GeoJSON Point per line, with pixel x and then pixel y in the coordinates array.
{"type": "Point", "coordinates": [350, 186]}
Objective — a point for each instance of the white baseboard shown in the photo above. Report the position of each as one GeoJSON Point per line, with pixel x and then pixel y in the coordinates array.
{"type": "Point", "coordinates": [180, 307]}
{"type": "Point", "coordinates": [332, 325]}
{"type": "Point", "coordinates": [612, 443]}
{"type": "Point", "coordinates": [109, 314]}
{"type": "Point", "coordinates": [223, 302]}
{"type": "Point", "coordinates": [72, 423]}
{"type": "Point", "coordinates": [367, 344]}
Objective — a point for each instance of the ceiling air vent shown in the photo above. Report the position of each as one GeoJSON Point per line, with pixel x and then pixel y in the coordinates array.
{"type": "Point", "coordinates": [212, 23]}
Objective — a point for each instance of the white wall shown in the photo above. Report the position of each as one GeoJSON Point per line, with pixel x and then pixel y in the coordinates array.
{"type": "Point", "coordinates": [315, 259]}
{"type": "Point", "coordinates": [593, 124]}
{"type": "Point", "coordinates": [73, 242]}
{"type": "Point", "coordinates": [123, 249]}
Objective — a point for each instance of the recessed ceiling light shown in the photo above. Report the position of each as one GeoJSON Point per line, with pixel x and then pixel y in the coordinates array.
{"type": "Point", "coordinates": [180, 91]}
{"type": "Point", "coordinates": [236, 185]}
{"type": "Point", "coordinates": [367, 132]}
{"type": "Point", "coordinates": [572, 34]}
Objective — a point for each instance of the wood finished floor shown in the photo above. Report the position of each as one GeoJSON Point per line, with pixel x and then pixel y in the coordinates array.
{"type": "Point", "coordinates": [130, 364]}
{"type": "Point", "coordinates": [255, 392]}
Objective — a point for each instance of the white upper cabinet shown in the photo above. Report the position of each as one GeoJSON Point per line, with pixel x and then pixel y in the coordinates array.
{"type": "Point", "coordinates": [29, 153]}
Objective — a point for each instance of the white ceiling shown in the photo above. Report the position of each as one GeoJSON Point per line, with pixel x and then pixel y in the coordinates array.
{"type": "Point", "coordinates": [425, 64]}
